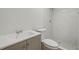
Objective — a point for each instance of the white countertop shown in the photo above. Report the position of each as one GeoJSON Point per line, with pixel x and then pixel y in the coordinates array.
{"type": "Point", "coordinates": [10, 39]}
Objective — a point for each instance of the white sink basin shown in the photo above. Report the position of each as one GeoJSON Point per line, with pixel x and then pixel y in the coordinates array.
{"type": "Point", "coordinates": [26, 34]}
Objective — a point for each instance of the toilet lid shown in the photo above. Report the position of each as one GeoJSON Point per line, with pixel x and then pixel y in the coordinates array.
{"type": "Point", "coordinates": [50, 42]}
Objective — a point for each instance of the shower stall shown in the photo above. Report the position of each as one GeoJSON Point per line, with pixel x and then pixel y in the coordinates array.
{"type": "Point", "coordinates": [65, 29]}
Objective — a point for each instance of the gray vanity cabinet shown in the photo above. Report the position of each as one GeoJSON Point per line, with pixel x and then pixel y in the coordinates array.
{"type": "Point", "coordinates": [17, 46]}
{"type": "Point", "coordinates": [33, 43]}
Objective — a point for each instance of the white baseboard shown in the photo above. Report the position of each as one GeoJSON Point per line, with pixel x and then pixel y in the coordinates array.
{"type": "Point", "coordinates": [62, 48]}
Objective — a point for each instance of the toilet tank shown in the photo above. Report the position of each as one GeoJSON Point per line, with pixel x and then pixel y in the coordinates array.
{"type": "Point", "coordinates": [43, 32]}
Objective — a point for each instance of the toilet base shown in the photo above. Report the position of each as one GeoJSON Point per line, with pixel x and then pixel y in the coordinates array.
{"type": "Point", "coordinates": [46, 48]}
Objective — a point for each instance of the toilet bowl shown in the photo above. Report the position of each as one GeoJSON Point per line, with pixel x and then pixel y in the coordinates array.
{"type": "Point", "coordinates": [50, 44]}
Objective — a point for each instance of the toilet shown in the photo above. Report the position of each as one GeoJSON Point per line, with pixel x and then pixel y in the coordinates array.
{"type": "Point", "coordinates": [48, 43]}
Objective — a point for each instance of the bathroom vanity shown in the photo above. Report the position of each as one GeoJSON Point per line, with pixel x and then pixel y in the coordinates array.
{"type": "Point", "coordinates": [28, 40]}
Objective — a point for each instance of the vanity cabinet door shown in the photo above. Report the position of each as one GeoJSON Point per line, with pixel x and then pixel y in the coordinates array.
{"type": "Point", "coordinates": [34, 43]}
{"type": "Point", "coordinates": [17, 46]}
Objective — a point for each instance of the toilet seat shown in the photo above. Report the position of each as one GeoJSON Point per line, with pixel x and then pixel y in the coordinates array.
{"type": "Point", "coordinates": [50, 43]}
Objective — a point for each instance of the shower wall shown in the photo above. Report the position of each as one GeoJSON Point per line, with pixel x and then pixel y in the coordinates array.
{"type": "Point", "coordinates": [65, 27]}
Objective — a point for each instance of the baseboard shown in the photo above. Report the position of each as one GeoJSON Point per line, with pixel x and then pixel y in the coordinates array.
{"type": "Point", "coordinates": [62, 48]}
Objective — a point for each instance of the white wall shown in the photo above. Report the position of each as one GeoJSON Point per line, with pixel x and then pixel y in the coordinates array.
{"type": "Point", "coordinates": [12, 19]}
{"type": "Point", "coordinates": [64, 27]}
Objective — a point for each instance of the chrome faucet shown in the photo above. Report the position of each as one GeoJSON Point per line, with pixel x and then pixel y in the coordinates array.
{"type": "Point", "coordinates": [18, 32]}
